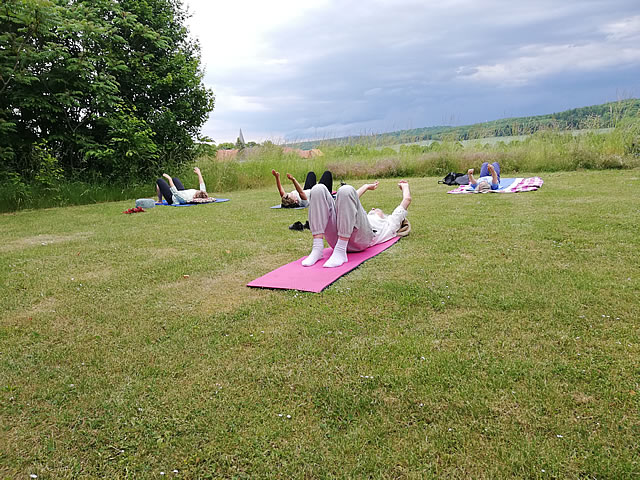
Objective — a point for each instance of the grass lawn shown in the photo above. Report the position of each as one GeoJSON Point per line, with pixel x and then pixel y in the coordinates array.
{"type": "Point", "coordinates": [500, 339]}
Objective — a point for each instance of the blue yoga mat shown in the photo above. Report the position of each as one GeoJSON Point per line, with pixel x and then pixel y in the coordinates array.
{"type": "Point", "coordinates": [289, 208]}
{"type": "Point", "coordinates": [164, 203]}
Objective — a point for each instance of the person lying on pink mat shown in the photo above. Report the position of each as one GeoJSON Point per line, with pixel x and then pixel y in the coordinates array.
{"type": "Point", "coordinates": [345, 224]}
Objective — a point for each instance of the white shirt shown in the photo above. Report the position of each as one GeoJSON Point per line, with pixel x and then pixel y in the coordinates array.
{"type": "Point", "coordinates": [386, 228]}
{"type": "Point", "coordinates": [296, 195]}
{"type": "Point", "coordinates": [185, 196]}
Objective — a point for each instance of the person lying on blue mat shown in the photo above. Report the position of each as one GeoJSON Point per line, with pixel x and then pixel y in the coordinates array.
{"type": "Point", "coordinates": [174, 191]}
{"type": "Point", "coordinates": [489, 178]}
{"type": "Point", "coordinates": [346, 225]}
{"type": "Point", "coordinates": [300, 196]}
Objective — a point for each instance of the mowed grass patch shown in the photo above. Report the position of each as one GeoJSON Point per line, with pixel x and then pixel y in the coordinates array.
{"type": "Point", "coordinates": [499, 339]}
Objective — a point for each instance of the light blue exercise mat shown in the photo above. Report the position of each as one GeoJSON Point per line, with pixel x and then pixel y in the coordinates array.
{"type": "Point", "coordinates": [288, 208]}
{"type": "Point", "coordinates": [217, 200]}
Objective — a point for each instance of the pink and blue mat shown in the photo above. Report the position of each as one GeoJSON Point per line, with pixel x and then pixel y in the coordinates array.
{"type": "Point", "coordinates": [508, 185]}
{"type": "Point", "coordinates": [293, 276]}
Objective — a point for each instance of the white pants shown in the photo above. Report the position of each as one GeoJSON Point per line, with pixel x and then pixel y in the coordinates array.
{"type": "Point", "coordinates": [343, 217]}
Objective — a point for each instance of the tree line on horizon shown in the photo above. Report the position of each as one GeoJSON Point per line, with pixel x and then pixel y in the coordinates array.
{"type": "Point", "coordinates": [606, 115]}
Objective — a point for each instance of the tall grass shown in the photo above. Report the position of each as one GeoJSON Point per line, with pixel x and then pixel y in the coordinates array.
{"type": "Point", "coordinates": [545, 151]}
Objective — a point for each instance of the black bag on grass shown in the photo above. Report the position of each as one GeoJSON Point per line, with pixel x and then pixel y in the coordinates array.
{"type": "Point", "coordinates": [455, 179]}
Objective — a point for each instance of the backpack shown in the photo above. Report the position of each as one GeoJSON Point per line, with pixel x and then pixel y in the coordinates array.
{"type": "Point", "coordinates": [455, 179]}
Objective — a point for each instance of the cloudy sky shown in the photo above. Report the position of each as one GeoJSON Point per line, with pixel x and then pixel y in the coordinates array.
{"type": "Point", "coordinates": [288, 70]}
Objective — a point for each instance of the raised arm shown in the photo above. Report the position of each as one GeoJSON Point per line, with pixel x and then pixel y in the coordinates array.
{"type": "Point", "coordinates": [406, 194]}
{"type": "Point", "coordinates": [367, 186]}
{"type": "Point", "coordinates": [200, 180]}
{"type": "Point", "coordinates": [297, 186]}
{"type": "Point", "coordinates": [278, 184]}
{"type": "Point", "coordinates": [494, 175]}
{"type": "Point", "coordinates": [472, 181]}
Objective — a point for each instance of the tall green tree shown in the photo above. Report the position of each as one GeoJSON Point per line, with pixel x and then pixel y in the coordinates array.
{"type": "Point", "coordinates": [110, 88]}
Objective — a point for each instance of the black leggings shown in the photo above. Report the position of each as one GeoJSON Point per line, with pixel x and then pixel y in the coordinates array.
{"type": "Point", "coordinates": [326, 179]}
{"type": "Point", "coordinates": [165, 190]}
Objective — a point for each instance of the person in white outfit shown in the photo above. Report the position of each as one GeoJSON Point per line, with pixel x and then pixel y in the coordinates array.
{"type": "Point", "coordinates": [345, 224]}
{"type": "Point", "coordinates": [174, 192]}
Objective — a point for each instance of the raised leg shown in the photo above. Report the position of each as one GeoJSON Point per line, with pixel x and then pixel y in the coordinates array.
{"type": "Point", "coordinates": [165, 191]}
{"type": "Point", "coordinates": [310, 181]}
{"type": "Point", "coordinates": [327, 180]}
{"type": "Point", "coordinates": [322, 222]}
{"type": "Point", "coordinates": [178, 183]}
{"type": "Point", "coordinates": [354, 231]}
{"type": "Point", "coordinates": [322, 214]}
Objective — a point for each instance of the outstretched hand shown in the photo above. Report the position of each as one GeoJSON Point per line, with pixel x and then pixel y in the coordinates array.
{"type": "Point", "coordinates": [275, 174]}
{"type": "Point", "coordinates": [167, 176]}
{"type": "Point", "coordinates": [289, 176]}
{"type": "Point", "coordinates": [196, 170]}
{"type": "Point", "coordinates": [402, 184]}
{"type": "Point", "coordinates": [372, 186]}
{"type": "Point", "coordinates": [470, 171]}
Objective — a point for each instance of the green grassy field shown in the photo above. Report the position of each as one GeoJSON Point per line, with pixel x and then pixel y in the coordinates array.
{"type": "Point", "coordinates": [498, 340]}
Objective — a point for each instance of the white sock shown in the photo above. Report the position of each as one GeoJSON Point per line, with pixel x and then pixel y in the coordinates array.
{"type": "Point", "coordinates": [339, 255]}
{"type": "Point", "coordinates": [316, 252]}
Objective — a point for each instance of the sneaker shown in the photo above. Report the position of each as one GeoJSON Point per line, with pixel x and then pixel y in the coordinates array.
{"type": "Point", "coordinates": [296, 226]}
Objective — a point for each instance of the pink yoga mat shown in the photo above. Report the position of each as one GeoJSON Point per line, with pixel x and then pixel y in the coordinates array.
{"type": "Point", "coordinates": [293, 276]}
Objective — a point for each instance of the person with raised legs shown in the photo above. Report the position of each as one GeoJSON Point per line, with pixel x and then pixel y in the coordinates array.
{"type": "Point", "coordinates": [346, 226]}
{"type": "Point", "coordinates": [174, 192]}
{"type": "Point", "coordinates": [489, 178]}
{"type": "Point", "coordinates": [300, 196]}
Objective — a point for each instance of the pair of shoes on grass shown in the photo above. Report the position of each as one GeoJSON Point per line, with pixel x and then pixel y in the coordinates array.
{"type": "Point", "coordinates": [299, 226]}
{"type": "Point", "coordinates": [134, 210]}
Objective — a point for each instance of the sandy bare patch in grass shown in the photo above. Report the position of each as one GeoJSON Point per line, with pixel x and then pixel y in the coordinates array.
{"type": "Point", "coordinates": [25, 317]}
{"type": "Point", "coordinates": [101, 274]}
{"type": "Point", "coordinates": [43, 240]}
{"type": "Point", "coordinates": [220, 293]}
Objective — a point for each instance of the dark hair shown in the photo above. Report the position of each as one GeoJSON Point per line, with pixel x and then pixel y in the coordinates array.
{"type": "Point", "coordinates": [288, 202]}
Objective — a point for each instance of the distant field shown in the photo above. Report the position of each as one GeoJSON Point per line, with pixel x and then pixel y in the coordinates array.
{"type": "Point", "coordinates": [495, 140]}
{"type": "Point", "coordinates": [499, 340]}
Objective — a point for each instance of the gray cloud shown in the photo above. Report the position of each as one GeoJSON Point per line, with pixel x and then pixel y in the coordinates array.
{"type": "Point", "coordinates": [362, 67]}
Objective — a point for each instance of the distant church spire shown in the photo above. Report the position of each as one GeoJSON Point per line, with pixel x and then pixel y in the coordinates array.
{"type": "Point", "coordinates": [241, 140]}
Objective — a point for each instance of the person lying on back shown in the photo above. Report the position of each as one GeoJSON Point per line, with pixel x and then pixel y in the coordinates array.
{"type": "Point", "coordinates": [345, 224]}
{"type": "Point", "coordinates": [174, 191]}
{"type": "Point", "coordinates": [300, 196]}
{"type": "Point", "coordinates": [489, 178]}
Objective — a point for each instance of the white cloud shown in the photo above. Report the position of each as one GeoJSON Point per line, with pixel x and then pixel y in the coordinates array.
{"type": "Point", "coordinates": [619, 48]}
{"type": "Point", "coordinates": [239, 103]}
{"type": "Point", "coordinates": [626, 29]}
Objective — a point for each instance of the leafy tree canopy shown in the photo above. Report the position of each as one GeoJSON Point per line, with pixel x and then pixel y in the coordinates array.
{"type": "Point", "coordinates": [105, 88]}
